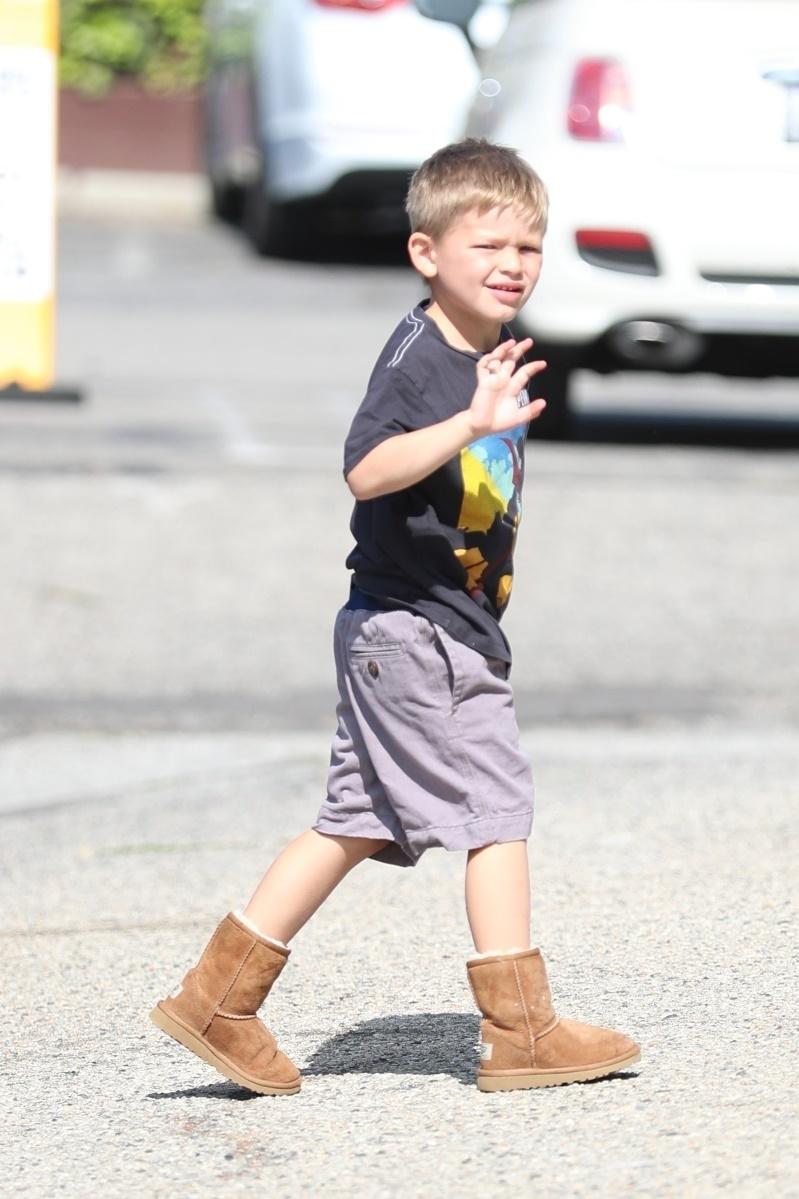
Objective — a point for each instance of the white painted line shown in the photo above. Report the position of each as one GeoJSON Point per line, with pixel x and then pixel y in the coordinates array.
{"type": "Point", "coordinates": [240, 444]}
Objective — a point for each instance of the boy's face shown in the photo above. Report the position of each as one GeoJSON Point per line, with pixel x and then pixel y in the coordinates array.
{"type": "Point", "coordinates": [481, 270]}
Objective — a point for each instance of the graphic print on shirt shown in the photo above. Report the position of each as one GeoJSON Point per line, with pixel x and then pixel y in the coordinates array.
{"type": "Point", "coordinates": [492, 470]}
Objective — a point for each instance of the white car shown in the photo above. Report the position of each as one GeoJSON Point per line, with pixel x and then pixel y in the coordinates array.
{"type": "Point", "coordinates": [667, 132]}
{"type": "Point", "coordinates": [318, 106]}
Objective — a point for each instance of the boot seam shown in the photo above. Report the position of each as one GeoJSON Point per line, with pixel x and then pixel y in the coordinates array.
{"type": "Point", "coordinates": [530, 1036]}
{"type": "Point", "coordinates": [229, 987]}
{"type": "Point", "coordinates": [549, 1028]}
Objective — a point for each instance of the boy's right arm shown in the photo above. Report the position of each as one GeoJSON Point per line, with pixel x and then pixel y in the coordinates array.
{"type": "Point", "coordinates": [407, 458]}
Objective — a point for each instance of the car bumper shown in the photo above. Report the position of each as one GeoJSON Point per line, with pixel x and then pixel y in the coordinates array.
{"type": "Point", "coordinates": [307, 167]}
{"type": "Point", "coordinates": [584, 302]}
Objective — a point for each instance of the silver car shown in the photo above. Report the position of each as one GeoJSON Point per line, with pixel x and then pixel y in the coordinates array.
{"type": "Point", "coordinates": [324, 107]}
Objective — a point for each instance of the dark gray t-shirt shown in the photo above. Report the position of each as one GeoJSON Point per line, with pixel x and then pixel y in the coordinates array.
{"type": "Point", "coordinates": [444, 547]}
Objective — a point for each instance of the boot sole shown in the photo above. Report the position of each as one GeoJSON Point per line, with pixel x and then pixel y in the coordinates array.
{"type": "Point", "coordinates": [517, 1080]}
{"type": "Point", "coordinates": [179, 1032]}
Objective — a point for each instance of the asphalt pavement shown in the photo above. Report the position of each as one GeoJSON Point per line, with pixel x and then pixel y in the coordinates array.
{"type": "Point", "coordinates": [172, 557]}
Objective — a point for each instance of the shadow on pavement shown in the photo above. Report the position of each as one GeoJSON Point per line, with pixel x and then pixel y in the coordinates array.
{"type": "Point", "coordinates": [427, 1043]}
{"type": "Point", "coordinates": [215, 1090]}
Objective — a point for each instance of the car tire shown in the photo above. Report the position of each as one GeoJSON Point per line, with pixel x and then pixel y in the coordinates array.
{"type": "Point", "coordinates": [556, 421]}
{"type": "Point", "coordinates": [269, 226]}
{"type": "Point", "coordinates": [226, 202]}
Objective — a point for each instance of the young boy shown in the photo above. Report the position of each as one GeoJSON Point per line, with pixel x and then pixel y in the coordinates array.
{"type": "Point", "coordinates": [426, 752]}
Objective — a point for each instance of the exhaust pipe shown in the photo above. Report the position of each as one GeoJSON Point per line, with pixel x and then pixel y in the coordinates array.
{"type": "Point", "coordinates": [660, 345]}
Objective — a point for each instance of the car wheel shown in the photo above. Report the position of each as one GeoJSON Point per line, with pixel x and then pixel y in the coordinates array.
{"type": "Point", "coordinates": [556, 421]}
{"type": "Point", "coordinates": [268, 225]}
{"type": "Point", "coordinates": [227, 202]}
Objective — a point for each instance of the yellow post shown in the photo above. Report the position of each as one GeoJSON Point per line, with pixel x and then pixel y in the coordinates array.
{"type": "Point", "coordinates": [28, 98]}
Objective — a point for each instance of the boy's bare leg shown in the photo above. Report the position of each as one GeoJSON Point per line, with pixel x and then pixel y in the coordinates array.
{"type": "Point", "coordinates": [522, 1042]}
{"type": "Point", "coordinates": [498, 896]}
{"type": "Point", "coordinates": [301, 878]}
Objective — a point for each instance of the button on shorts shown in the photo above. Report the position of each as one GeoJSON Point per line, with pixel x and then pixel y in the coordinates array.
{"type": "Point", "coordinates": [426, 751]}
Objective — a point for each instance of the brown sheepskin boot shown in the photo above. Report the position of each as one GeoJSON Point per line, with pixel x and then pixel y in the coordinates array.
{"type": "Point", "coordinates": [523, 1043]}
{"type": "Point", "coordinates": [214, 1012]}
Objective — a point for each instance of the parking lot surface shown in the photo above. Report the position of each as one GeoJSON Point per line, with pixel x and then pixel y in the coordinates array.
{"type": "Point", "coordinates": [172, 558]}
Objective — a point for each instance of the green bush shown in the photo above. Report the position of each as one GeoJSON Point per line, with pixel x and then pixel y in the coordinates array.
{"type": "Point", "coordinates": [160, 43]}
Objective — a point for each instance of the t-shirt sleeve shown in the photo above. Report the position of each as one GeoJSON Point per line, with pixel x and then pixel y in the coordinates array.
{"type": "Point", "coordinates": [393, 404]}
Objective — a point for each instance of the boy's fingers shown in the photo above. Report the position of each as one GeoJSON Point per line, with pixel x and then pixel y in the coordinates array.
{"type": "Point", "coordinates": [503, 360]}
{"type": "Point", "coordinates": [527, 372]}
{"type": "Point", "coordinates": [521, 348]}
{"type": "Point", "coordinates": [533, 409]}
{"type": "Point", "coordinates": [490, 365]}
{"type": "Point", "coordinates": [494, 359]}
{"type": "Point", "coordinates": [527, 413]}
{"type": "Point", "coordinates": [504, 349]}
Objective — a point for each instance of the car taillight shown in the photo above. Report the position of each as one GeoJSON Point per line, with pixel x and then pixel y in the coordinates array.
{"type": "Point", "coordinates": [617, 250]}
{"type": "Point", "coordinates": [599, 103]}
{"type": "Point", "coordinates": [363, 5]}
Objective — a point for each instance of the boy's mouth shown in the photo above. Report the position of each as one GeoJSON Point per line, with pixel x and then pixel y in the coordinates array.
{"type": "Point", "coordinates": [506, 291]}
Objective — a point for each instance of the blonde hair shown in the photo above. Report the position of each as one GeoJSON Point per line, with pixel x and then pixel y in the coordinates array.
{"type": "Point", "coordinates": [473, 174]}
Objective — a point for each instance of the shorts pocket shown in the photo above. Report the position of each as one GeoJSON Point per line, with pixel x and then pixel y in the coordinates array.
{"type": "Point", "coordinates": [448, 655]}
{"type": "Point", "coordinates": [381, 667]}
{"type": "Point", "coordinates": [376, 649]}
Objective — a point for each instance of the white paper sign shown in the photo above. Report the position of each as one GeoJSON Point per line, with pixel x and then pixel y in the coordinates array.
{"type": "Point", "coordinates": [27, 173]}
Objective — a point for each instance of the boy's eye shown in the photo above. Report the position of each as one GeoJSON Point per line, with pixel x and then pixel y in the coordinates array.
{"type": "Point", "coordinates": [485, 246]}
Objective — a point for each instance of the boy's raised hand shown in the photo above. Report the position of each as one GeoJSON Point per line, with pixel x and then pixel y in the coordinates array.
{"type": "Point", "coordinates": [495, 405]}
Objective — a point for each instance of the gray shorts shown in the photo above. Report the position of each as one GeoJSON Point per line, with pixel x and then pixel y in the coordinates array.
{"type": "Point", "coordinates": [426, 752]}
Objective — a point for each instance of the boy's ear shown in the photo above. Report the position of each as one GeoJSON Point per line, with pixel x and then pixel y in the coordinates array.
{"type": "Point", "coordinates": [422, 253]}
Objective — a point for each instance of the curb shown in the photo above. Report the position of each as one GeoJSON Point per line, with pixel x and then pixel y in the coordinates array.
{"type": "Point", "coordinates": [138, 195]}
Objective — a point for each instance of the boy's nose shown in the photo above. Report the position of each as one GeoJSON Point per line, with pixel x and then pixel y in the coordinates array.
{"type": "Point", "coordinates": [510, 262]}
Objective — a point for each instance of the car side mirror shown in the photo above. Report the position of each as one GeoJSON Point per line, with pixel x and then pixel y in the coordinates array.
{"type": "Point", "coordinates": [456, 12]}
